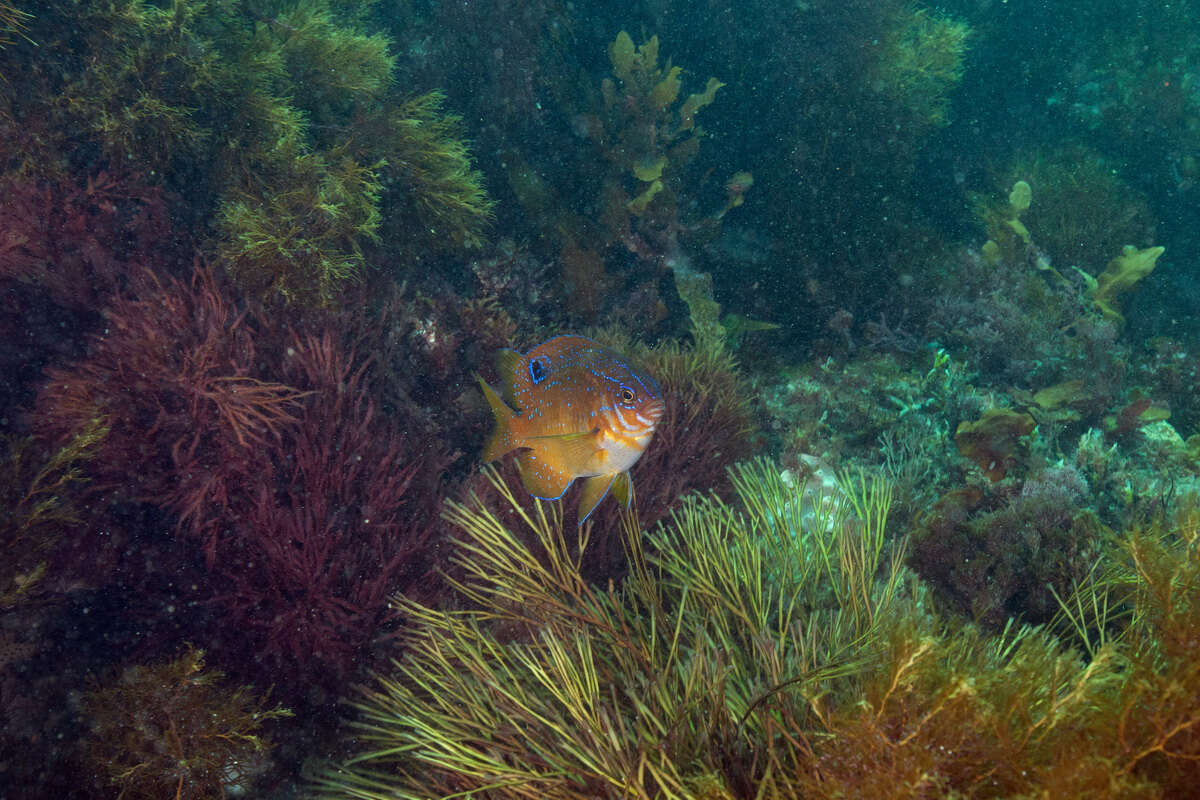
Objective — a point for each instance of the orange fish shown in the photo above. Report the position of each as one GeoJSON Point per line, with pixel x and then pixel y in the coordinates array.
{"type": "Point", "coordinates": [582, 411]}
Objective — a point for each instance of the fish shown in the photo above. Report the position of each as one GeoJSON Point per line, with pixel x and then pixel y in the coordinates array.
{"type": "Point", "coordinates": [573, 408]}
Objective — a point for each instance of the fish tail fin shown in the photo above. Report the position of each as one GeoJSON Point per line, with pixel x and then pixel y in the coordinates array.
{"type": "Point", "coordinates": [501, 439]}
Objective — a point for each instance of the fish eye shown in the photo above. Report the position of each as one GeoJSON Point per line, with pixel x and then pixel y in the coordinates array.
{"type": "Point", "coordinates": [627, 395]}
{"type": "Point", "coordinates": [537, 371]}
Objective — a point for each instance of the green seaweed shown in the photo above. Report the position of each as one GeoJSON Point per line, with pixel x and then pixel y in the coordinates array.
{"type": "Point", "coordinates": [283, 118]}
{"type": "Point", "coordinates": [920, 62]}
{"type": "Point", "coordinates": [302, 244]}
{"type": "Point", "coordinates": [688, 677]}
{"type": "Point", "coordinates": [774, 648]}
{"type": "Point", "coordinates": [38, 505]}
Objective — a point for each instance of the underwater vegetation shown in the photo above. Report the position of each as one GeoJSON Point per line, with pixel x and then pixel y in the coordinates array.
{"type": "Point", "coordinates": [36, 506]}
{"type": "Point", "coordinates": [759, 651]}
{"type": "Point", "coordinates": [1007, 553]}
{"type": "Point", "coordinates": [934, 262]}
{"type": "Point", "coordinates": [635, 193]}
{"type": "Point", "coordinates": [282, 120]}
{"type": "Point", "coordinates": [266, 445]}
{"type": "Point", "coordinates": [324, 529]}
{"type": "Point", "coordinates": [176, 729]}
{"type": "Point", "coordinates": [78, 239]}
{"type": "Point", "coordinates": [1029, 322]}
{"type": "Point", "coordinates": [12, 22]}
{"type": "Point", "coordinates": [1082, 212]}
{"type": "Point", "coordinates": [552, 686]}
{"type": "Point", "coordinates": [919, 63]}
{"type": "Point", "coordinates": [178, 360]}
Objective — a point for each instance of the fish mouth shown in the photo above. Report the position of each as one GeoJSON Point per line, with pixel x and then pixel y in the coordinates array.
{"type": "Point", "coordinates": [639, 421]}
{"type": "Point", "coordinates": [653, 412]}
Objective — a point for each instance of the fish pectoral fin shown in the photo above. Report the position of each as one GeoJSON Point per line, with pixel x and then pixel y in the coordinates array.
{"type": "Point", "coordinates": [594, 490]}
{"type": "Point", "coordinates": [541, 478]}
{"type": "Point", "coordinates": [622, 489]}
{"type": "Point", "coordinates": [575, 452]}
{"type": "Point", "coordinates": [566, 437]}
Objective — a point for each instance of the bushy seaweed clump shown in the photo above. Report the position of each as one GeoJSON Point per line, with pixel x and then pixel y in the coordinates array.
{"type": "Point", "coordinates": [557, 688]}
{"type": "Point", "coordinates": [281, 118]}
{"type": "Point", "coordinates": [177, 730]}
{"type": "Point", "coordinates": [1082, 211]}
{"type": "Point", "coordinates": [774, 649]}
{"type": "Point", "coordinates": [1006, 553]}
{"type": "Point", "coordinates": [267, 447]}
{"type": "Point", "coordinates": [920, 62]}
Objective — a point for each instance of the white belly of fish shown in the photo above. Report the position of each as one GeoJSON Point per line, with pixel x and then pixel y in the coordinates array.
{"type": "Point", "coordinates": [617, 454]}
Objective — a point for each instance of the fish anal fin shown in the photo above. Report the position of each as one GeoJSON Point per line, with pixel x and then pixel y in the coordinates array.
{"type": "Point", "coordinates": [595, 489]}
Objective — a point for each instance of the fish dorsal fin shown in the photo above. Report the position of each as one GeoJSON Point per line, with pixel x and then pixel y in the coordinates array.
{"type": "Point", "coordinates": [543, 478]}
{"type": "Point", "coordinates": [512, 379]}
{"type": "Point", "coordinates": [595, 489]}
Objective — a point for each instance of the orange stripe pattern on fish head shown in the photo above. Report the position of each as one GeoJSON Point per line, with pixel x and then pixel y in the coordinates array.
{"type": "Point", "coordinates": [575, 409]}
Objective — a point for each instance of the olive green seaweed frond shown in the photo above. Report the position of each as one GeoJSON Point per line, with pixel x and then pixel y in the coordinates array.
{"type": "Point", "coordinates": [436, 198]}
{"type": "Point", "coordinates": [699, 673]}
{"type": "Point", "coordinates": [303, 238]}
{"type": "Point", "coordinates": [13, 23]}
{"type": "Point", "coordinates": [38, 505]}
